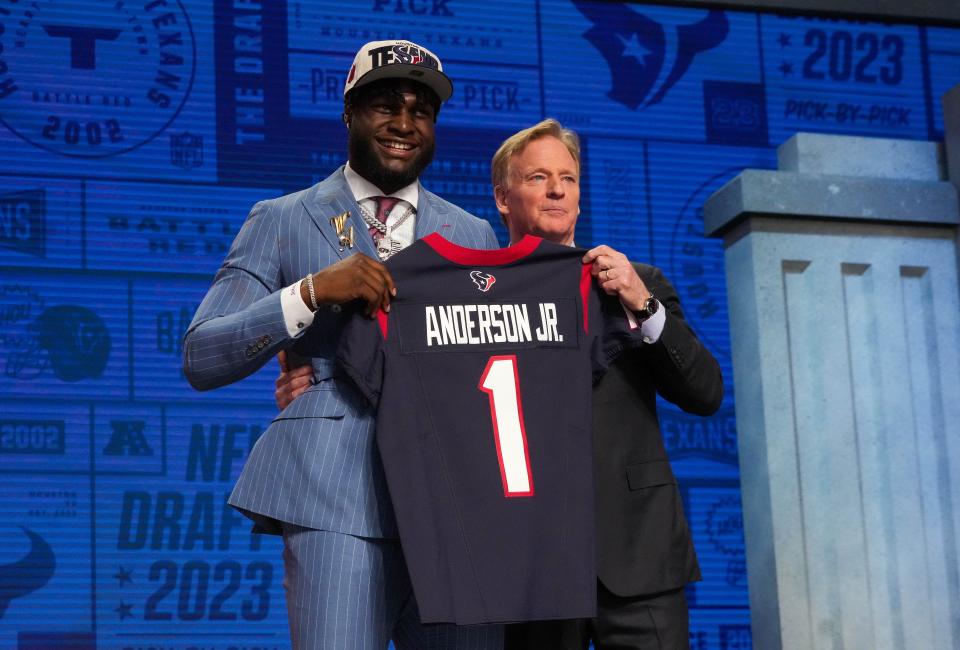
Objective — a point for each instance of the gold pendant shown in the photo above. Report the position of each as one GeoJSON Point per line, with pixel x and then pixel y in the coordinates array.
{"type": "Point", "coordinates": [346, 237]}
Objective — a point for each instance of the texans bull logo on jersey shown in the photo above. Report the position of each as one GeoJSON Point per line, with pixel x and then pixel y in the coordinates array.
{"type": "Point", "coordinates": [647, 58]}
{"type": "Point", "coordinates": [483, 280]}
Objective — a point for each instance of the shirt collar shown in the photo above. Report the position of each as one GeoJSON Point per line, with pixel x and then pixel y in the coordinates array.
{"type": "Point", "coordinates": [364, 189]}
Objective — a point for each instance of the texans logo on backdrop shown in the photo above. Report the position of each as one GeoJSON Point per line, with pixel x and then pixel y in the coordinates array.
{"type": "Point", "coordinates": [647, 58]}
{"type": "Point", "coordinates": [27, 574]}
{"type": "Point", "coordinates": [93, 83]}
{"type": "Point", "coordinates": [483, 280]}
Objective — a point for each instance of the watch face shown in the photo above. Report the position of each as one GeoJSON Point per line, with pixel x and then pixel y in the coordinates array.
{"type": "Point", "coordinates": [649, 308]}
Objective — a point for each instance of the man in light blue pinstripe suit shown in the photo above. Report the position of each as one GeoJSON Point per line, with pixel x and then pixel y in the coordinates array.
{"type": "Point", "coordinates": [315, 475]}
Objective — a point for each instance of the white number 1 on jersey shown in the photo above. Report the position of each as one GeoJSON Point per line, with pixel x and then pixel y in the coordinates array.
{"type": "Point", "coordinates": [502, 385]}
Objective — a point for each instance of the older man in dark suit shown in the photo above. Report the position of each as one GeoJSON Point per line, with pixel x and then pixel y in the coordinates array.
{"type": "Point", "coordinates": [645, 555]}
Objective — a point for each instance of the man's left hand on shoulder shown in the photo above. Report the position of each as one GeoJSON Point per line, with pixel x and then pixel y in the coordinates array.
{"type": "Point", "coordinates": [617, 277]}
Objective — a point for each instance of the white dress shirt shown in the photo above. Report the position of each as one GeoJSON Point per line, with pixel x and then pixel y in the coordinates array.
{"type": "Point", "coordinates": [296, 314]}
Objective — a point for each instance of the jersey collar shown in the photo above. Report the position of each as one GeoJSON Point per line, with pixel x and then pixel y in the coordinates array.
{"type": "Point", "coordinates": [476, 257]}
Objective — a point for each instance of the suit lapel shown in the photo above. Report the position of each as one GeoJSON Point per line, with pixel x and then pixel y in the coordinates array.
{"type": "Point", "coordinates": [332, 198]}
{"type": "Point", "coordinates": [428, 219]}
{"type": "Point", "coordinates": [326, 205]}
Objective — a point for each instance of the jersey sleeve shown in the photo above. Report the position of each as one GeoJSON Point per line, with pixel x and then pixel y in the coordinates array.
{"type": "Point", "coordinates": [615, 332]}
{"type": "Point", "coordinates": [361, 352]}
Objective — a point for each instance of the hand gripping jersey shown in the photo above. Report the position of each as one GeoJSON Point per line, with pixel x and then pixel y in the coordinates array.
{"type": "Point", "coordinates": [481, 373]}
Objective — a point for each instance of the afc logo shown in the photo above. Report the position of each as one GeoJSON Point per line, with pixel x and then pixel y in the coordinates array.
{"type": "Point", "coordinates": [128, 439]}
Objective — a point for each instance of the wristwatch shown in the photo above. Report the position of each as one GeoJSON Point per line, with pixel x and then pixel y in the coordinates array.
{"type": "Point", "coordinates": [649, 308]}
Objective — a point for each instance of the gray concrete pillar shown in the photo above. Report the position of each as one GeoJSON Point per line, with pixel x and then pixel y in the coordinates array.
{"type": "Point", "coordinates": [845, 326]}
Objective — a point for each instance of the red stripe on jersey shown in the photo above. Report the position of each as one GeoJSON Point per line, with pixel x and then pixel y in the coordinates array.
{"type": "Point", "coordinates": [476, 257]}
{"type": "Point", "coordinates": [382, 321]}
{"type": "Point", "coordinates": [585, 280]}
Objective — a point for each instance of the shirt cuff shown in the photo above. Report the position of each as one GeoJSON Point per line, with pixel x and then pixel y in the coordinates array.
{"type": "Point", "coordinates": [296, 315]}
{"type": "Point", "coordinates": [652, 328]}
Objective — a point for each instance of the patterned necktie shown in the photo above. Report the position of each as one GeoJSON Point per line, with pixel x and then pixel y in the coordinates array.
{"type": "Point", "coordinates": [384, 206]}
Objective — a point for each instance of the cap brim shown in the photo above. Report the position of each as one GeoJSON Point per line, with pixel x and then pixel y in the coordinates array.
{"type": "Point", "coordinates": [433, 79]}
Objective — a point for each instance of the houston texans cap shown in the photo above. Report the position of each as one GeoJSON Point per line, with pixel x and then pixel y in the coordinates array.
{"type": "Point", "coordinates": [398, 60]}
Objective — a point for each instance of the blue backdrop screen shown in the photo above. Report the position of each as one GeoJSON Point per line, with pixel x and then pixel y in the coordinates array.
{"type": "Point", "coordinates": [134, 138]}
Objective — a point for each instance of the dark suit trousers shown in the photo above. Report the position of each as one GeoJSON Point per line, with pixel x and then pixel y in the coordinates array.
{"type": "Point", "coordinates": [651, 622]}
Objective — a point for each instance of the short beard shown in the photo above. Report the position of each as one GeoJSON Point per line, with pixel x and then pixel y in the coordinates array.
{"type": "Point", "coordinates": [364, 161]}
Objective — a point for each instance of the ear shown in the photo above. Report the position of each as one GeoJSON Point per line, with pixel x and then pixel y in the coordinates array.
{"type": "Point", "coordinates": [500, 197]}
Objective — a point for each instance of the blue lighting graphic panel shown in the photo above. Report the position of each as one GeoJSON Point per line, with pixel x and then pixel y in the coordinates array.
{"type": "Point", "coordinates": [458, 31]}
{"type": "Point", "coordinates": [175, 562]}
{"type": "Point", "coordinates": [33, 442]}
{"type": "Point", "coordinates": [622, 69]}
{"type": "Point", "coordinates": [48, 531]}
{"type": "Point", "coordinates": [135, 138]}
{"type": "Point", "coordinates": [843, 77]}
{"type": "Point", "coordinates": [163, 227]}
{"type": "Point", "coordinates": [484, 96]}
{"type": "Point", "coordinates": [943, 51]}
{"type": "Point", "coordinates": [42, 222]}
{"type": "Point", "coordinates": [118, 89]}
{"type": "Point", "coordinates": [65, 336]}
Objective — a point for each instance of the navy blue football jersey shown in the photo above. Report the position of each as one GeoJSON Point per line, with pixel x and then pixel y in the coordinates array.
{"type": "Point", "coordinates": [482, 375]}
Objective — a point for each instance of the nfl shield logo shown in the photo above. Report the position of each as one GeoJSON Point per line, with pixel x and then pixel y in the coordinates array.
{"type": "Point", "coordinates": [186, 150]}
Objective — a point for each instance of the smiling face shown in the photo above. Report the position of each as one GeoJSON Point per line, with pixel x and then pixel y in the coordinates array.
{"type": "Point", "coordinates": [391, 132]}
{"type": "Point", "coordinates": [541, 195]}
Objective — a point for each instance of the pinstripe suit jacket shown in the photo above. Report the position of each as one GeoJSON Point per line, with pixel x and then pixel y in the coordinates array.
{"type": "Point", "coordinates": [316, 465]}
